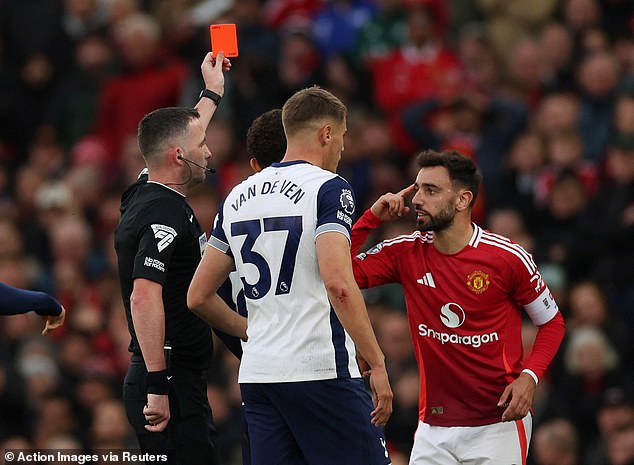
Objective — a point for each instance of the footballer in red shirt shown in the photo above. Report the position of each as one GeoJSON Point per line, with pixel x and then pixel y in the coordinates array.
{"type": "Point", "coordinates": [465, 290]}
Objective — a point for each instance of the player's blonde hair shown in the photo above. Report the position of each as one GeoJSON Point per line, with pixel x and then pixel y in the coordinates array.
{"type": "Point", "coordinates": [308, 106]}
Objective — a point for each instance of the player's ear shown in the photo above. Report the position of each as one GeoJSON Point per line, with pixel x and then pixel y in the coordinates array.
{"type": "Point", "coordinates": [464, 199]}
{"type": "Point", "coordinates": [324, 134]}
{"type": "Point", "coordinates": [255, 166]}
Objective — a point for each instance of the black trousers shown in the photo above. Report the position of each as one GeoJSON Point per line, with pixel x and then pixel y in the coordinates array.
{"type": "Point", "coordinates": [190, 436]}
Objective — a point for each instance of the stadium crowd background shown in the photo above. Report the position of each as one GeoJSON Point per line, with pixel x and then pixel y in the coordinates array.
{"type": "Point", "coordinates": [540, 92]}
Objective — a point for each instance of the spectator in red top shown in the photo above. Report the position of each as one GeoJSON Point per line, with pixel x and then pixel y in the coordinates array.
{"type": "Point", "coordinates": [151, 79]}
{"type": "Point", "coordinates": [480, 127]}
{"type": "Point", "coordinates": [422, 68]}
{"type": "Point", "coordinates": [565, 152]}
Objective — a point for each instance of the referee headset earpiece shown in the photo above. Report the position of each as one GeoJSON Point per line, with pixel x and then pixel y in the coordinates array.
{"type": "Point", "coordinates": [188, 161]}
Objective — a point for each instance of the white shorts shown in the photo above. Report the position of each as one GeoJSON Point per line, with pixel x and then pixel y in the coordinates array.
{"type": "Point", "coordinates": [504, 443]}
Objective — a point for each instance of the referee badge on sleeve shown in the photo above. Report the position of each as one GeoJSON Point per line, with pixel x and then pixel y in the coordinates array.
{"type": "Point", "coordinates": [165, 235]}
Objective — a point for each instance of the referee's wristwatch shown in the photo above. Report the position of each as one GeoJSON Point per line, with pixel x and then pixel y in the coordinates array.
{"type": "Point", "coordinates": [210, 94]}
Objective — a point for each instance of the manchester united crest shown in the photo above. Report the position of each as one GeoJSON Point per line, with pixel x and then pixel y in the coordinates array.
{"type": "Point", "coordinates": [478, 281]}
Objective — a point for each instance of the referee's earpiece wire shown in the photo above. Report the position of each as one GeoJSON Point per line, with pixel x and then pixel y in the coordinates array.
{"type": "Point", "coordinates": [189, 177]}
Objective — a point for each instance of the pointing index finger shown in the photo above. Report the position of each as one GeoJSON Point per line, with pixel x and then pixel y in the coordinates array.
{"type": "Point", "coordinates": [407, 191]}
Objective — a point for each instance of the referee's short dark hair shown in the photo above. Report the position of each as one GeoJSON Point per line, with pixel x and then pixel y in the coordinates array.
{"type": "Point", "coordinates": [266, 141]}
{"type": "Point", "coordinates": [162, 126]}
{"type": "Point", "coordinates": [462, 169]}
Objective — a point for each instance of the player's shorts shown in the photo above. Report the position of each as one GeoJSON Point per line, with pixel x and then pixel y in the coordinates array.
{"type": "Point", "coordinates": [503, 443]}
{"type": "Point", "coordinates": [312, 423]}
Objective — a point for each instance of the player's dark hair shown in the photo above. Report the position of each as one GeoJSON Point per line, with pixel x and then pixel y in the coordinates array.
{"type": "Point", "coordinates": [162, 126]}
{"type": "Point", "coordinates": [462, 170]}
{"type": "Point", "coordinates": [266, 141]}
{"type": "Point", "coordinates": [308, 105]}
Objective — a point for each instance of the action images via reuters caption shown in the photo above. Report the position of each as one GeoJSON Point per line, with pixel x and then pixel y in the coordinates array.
{"type": "Point", "coordinates": [62, 457]}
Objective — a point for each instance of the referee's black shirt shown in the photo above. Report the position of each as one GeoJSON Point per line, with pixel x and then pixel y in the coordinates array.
{"type": "Point", "coordinates": [159, 238]}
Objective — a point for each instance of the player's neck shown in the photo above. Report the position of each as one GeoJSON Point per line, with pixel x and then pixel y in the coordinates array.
{"type": "Point", "coordinates": [307, 155]}
{"type": "Point", "coordinates": [455, 238]}
{"type": "Point", "coordinates": [305, 149]}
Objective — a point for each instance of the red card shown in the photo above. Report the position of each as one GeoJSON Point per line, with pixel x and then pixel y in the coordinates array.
{"type": "Point", "coordinates": [224, 38]}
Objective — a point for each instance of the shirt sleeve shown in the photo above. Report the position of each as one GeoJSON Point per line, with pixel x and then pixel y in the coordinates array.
{"type": "Point", "coordinates": [14, 301]}
{"type": "Point", "coordinates": [528, 288]}
{"type": "Point", "coordinates": [532, 293]}
{"type": "Point", "coordinates": [159, 234]}
{"type": "Point", "coordinates": [217, 237]}
{"type": "Point", "coordinates": [547, 342]}
{"type": "Point", "coordinates": [362, 229]}
{"type": "Point", "coordinates": [377, 265]}
{"type": "Point", "coordinates": [335, 207]}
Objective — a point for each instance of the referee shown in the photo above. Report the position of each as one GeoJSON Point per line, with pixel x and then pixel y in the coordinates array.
{"type": "Point", "coordinates": [159, 243]}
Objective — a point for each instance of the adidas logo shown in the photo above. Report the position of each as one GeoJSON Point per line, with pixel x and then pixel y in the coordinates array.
{"type": "Point", "coordinates": [427, 280]}
{"type": "Point", "coordinates": [164, 234]}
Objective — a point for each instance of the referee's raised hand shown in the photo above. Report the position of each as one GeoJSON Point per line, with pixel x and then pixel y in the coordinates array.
{"type": "Point", "coordinates": [213, 70]}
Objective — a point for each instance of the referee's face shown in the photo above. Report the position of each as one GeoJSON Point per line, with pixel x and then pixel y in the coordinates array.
{"type": "Point", "coordinates": [195, 148]}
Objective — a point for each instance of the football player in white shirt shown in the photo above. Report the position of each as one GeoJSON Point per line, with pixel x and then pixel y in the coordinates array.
{"type": "Point", "coordinates": [287, 232]}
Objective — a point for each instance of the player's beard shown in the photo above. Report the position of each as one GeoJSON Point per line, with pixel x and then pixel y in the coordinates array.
{"type": "Point", "coordinates": [438, 222]}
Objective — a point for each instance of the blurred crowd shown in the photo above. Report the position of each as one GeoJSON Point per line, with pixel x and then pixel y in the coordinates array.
{"type": "Point", "coordinates": [539, 92]}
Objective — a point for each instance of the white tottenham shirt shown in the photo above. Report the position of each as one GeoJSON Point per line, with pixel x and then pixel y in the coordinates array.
{"type": "Point", "coordinates": [269, 224]}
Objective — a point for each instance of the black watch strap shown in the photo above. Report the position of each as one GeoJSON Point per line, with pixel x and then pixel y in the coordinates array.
{"type": "Point", "coordinates": [210, 94]}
